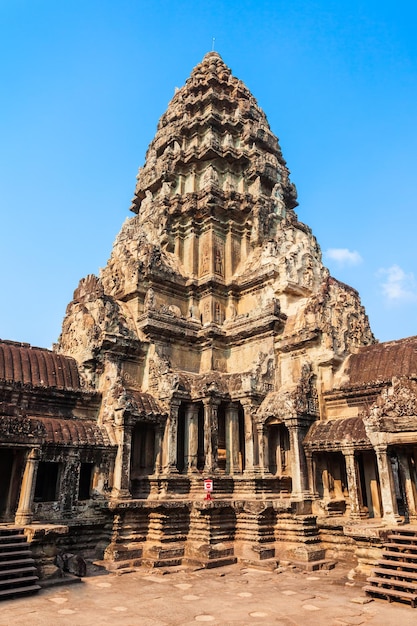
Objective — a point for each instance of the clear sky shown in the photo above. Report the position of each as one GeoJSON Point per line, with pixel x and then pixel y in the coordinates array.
{"type": "Point", "coordinates": [84, 82]}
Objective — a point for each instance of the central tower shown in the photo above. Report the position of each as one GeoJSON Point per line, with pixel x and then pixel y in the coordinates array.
{"type": "Point", "coordinates": [214, 328]}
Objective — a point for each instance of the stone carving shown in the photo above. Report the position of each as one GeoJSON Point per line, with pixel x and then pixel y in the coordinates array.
{"type": "Point", "coordinates": [21, 428]}
{"type": "Point", "coordinates": [395, 408]}
{"type": "Point", "coordinates": [149, 302]}
{"type": "Point", "coordinates": [340, 316]}
{"type": "Point", "coordinates": [205, 259]}
{"type": "Point", "coordinates": [218, 257]}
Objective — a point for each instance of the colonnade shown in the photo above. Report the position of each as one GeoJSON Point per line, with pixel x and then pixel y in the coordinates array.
{"type": "Point", "coordinates": [379, 482]}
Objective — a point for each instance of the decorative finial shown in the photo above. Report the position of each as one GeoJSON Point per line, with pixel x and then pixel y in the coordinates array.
{"type": "Point", "coordinates": [212, 46]}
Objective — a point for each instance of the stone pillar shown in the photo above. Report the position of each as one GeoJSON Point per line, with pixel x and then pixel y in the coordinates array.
{"type": "Point", "coordinates": [170, 440]}
{"type": "Point", "coordinates": [249, 438]}
{"type": "Point", "coordinates": [158, 448]}
{"type": "Point", "coordinates": [262, 448]}
{"type": "Point", "coordinates": [210, 435]}
{"type": "Point", "coordinates": [228, 254]}
{"type": "Point", "coordinates": [121, 475]}
{"type": "Point", "coordinates": [386, 481]}
{"type": "Point", "coordinates": [407, 483]}
{"type": "Point", "coordinates": [298, 462]}
{"type": "Point", "coordinates": [232, 439]}
{"type": "Point", "coordinates": [24, 513]}
{"type": "Point", "coordinates": [353, 483]}
{"type": "Point", "coordinates": [70, 482]}
{"type": "Point", "coordinates": [311, 473]}
{"type": "Point", "coordinates": [191, 438]}
{"type": "Point", "coordinates": [192, 257]}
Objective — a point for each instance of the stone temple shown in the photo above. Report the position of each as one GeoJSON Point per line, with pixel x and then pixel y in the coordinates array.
{"type": "Point", "coordinates": [214, 345]}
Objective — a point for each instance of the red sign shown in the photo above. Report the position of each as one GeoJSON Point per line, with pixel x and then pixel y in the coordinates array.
{"type": "Point", "coordinates": [208, 485]}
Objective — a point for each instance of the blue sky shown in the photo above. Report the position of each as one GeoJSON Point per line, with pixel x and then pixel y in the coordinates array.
{"type": "Point", "coordinates": [83, 84]}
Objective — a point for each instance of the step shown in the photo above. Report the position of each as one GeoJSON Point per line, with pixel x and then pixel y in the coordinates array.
{"type": "Point", "coordinates": [16, 555]}
{"type": "Point", "coordinates": [394, 572]}
{"type": "Point", "coordinates": [12, 537]}
{"type": "Point", "coordinates": [398, 562]}
{"type": "Point", "coordinates": [402, 546]}
{"type": "Point", "coordinates": [8, 546]}
{"type": "Point", "coordinates": [12, 573]}
{"type": "Point", "coordinates": [393, 582]}
{"type": "Point", "coordinates": [391, 593]}
{"type": "Point", "coordinates": [406, 534]}
{"type": "Point", "coordinates": [402, 537]}
{"type": "Point", "coordinates": [18, 582]}
{"type": "Point", "coordinates": [5, 594]}
{"type": "Point", "coordinates": [16, 563]}
{"type": "Point", "coordinates": [4, 532]}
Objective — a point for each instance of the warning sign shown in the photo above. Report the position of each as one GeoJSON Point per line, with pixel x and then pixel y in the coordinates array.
{"type": "Point", "coordinates": [208, 485]}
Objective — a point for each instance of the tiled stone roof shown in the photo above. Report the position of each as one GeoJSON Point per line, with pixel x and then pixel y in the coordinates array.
{"type": "Point", "coordinates": [74, 432]}
{"type": "Point", "coordinates": [144, 403]}
{"type": "Point", "coordinates": [22, 363]}
{"type": "Point", "coordinates": [382, 361]}
{"type": "Point", "coordinates": [336, 433]}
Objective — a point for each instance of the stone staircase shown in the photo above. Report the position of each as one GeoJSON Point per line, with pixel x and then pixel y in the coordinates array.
{"type": "Point", "coordinates": [18, 575]}
{"type": "Point", "coordinates": [395, 575]}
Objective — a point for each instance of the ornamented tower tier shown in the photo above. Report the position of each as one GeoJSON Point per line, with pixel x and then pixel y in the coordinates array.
{"type": "Point", "coordinates": [214, 274]}
{"type": "Point", "coordinates": [213, 173]}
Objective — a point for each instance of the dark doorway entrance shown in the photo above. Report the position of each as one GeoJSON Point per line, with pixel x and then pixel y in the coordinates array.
{"type": "Point", "coordinates": [11, 468]}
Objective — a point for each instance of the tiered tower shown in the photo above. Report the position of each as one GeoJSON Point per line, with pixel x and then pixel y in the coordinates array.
{"type": "Point", "coordinates": [214, 328]}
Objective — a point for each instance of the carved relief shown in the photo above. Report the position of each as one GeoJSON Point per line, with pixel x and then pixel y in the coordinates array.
{"type": "Point", "coordinates": [205, 259]}
{"type": "Point", "coordinates": [218, 313]}
{"type": "Point", "coordinates": [395, 408]}
{"type": "Point", "coordinates": [218, 257]}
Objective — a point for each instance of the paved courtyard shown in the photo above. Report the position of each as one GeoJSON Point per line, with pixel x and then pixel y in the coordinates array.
{"type": "Point", "coordinates": [235, 596]}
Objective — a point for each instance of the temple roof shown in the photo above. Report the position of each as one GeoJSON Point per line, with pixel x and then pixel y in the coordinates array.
{"type": "Point", "coordinates": [73, 432]}
{"type": "Point", "coordinates": [333, 434]}
{"type": "Point", "coordinates": [22, 363]}
{"type": "Point", "coordinates": [213, 136]}
{"type": "Point", "coordinates": [380, 362]}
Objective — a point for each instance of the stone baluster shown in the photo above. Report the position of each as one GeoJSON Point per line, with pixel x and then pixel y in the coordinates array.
{"type": "Point", "coordinates": [232, 439]}
{"type": "Point", "coordinates": [24, 513]}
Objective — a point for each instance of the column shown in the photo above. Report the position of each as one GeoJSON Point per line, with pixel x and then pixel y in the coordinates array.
{"type": "Point", "coordinates": [210, 435]}
{"type": "Point", "coordinates": [158, 449]}
{"type": "Point", "coordinates": [170, 440]}
{"type": "Point", "coordinates": [24, 513]}
{"type": "Point", "coordinates": [311, 472]}
{"type": "Point", "coordinates": [232, 439]}
{"type": "Point", "coordinates": [298, 462]}
{"type": "Point", "coordinates": [353, 483]}
{"type": "Point", "coordinates": [121, 475]}
{"type": "Point", "coordinates": [70, 478]}
{"type": "Point", "coordinates": [407, 483]}
{"type": "Point", "coordinates": [386, 481]}
{"type": "Point", "coordinates": [249, 438]}
{"type": "Point", "coordinates": [262, 448]}
{"type": "Point", "coordinates": [191, 252]}
{"type": "Point", "coordinates": [228, 254]}
{"type": "Point", "coordinates": [191, 438]}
